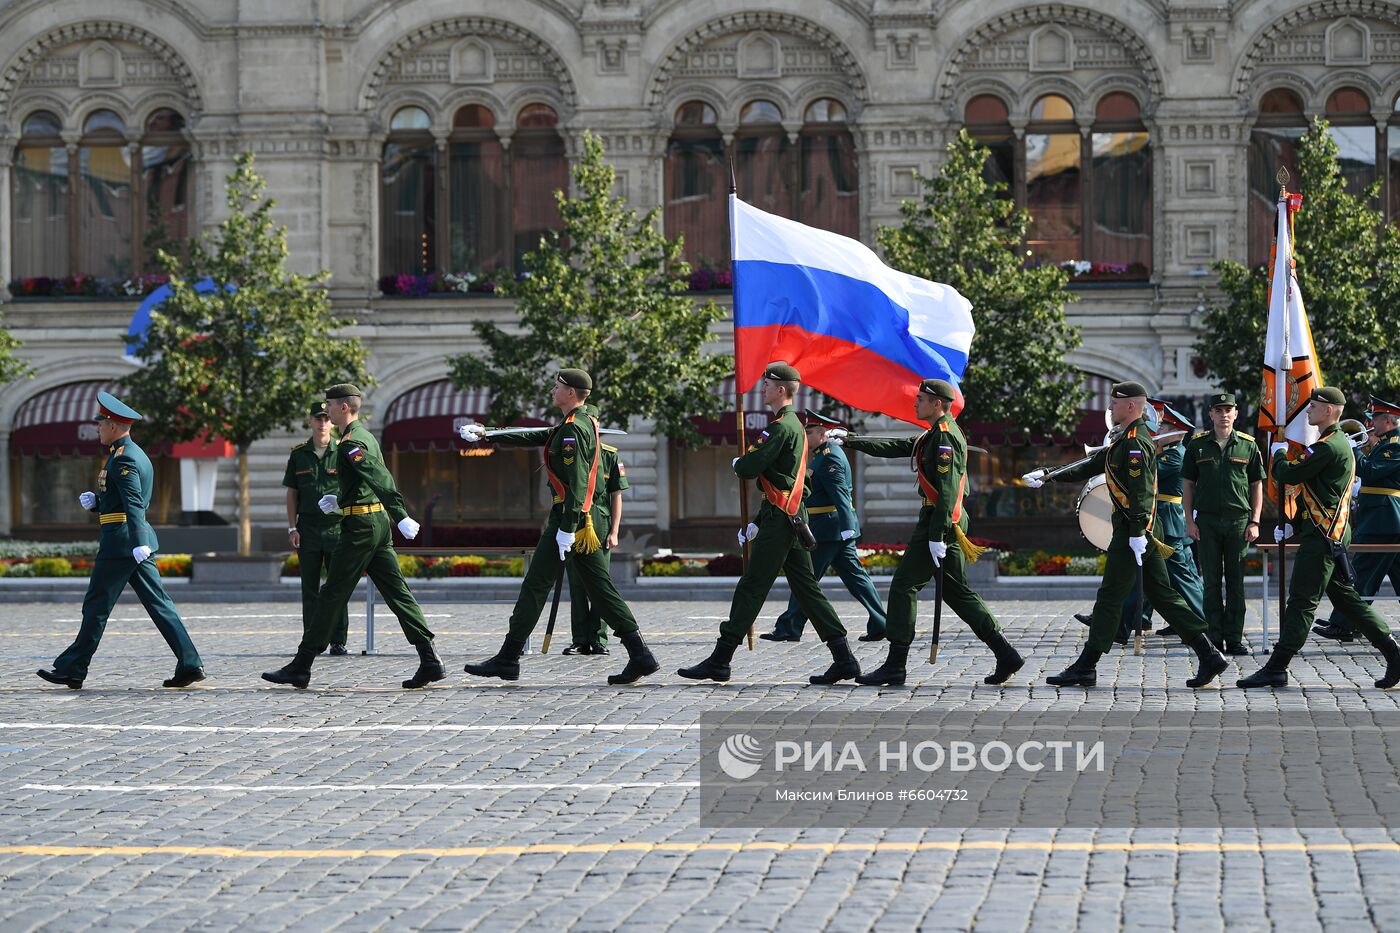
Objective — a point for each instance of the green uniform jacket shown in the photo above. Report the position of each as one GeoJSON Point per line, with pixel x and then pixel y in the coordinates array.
{"type": "Point", "coordinates": [1325, 466]}
{"type": "Point", "coordinates": [1378, 513]}
{"type": "Point", "coordinates": [364, 479]}
{"type": "Point", "coordinates": [124, 488]}
{"type": "Point", "coordinates": [313, 477]}
{"type": "Point", "coordinates": [612, 477]}
{"type": "Point", "coordinates": [1171, 517]}
{"type": "Point", "coordinates": [1134, 466]}
{"type": "Point", "coordinates": [942, 460]}
{"type": "Point", "coordinates": [1222, 475]}
{"type": "Point", "coordinates": [569, 449]}
{"type": "Point", "coordinates": [776, 455]}
{"type": "Point", "coordinates": [829, 490]}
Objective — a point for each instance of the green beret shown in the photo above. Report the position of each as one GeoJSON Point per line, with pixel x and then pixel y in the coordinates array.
{"type": "Point", "coordinates": [1129, 390]}
{"type": "Point", "coordinates": [939, 388]}
{"type": "Point", "coordinates": [1328, 394]}
{"type": "Point", "coordinates": [343, 390]}
{"type": "Point", "coordinates": [1221, 400]}
{"type": "Point", "coordinates": [575, 379]}
{"type": "Point", "coordinates": [782, 372]}
{"type": "Point", "coordinates": [815, 419]}
{"type": "Point", "coordinates": [319, 408]}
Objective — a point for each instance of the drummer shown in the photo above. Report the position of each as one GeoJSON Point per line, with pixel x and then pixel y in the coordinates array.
{"type": "Point", "coordinates": [1131, 476]}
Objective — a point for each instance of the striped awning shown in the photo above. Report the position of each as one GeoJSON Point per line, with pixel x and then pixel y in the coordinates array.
{"type": "Point", "coordinates": [58, 422]}
{"type": "Point", "coordinates": [427, 417]}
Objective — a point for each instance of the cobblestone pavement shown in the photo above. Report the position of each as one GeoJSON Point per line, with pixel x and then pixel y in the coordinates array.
{"type": "Point", "coordinates": [562, 803]}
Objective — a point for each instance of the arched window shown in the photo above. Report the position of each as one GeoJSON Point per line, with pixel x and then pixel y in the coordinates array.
{"type": "Point", "coordinates": [1272, 143]}
{"type": "Point", "coordinates": [166, 175]}
{"type": "Point", "coordinates": [989, 123]}
{"type": "Point", "coordinates": [697, 181]}
{"type": "Point", "coordinates": [1393, 163]}
{"type": "Point", "coordinates": [477, 184]}
{"type": "Point", "coordinates": [104, 198]}
{"type": "Point", "coordinates": [539, 167]}
{"type": "Point", "coordinates": [1054, 175]}
{"type": "Point", "coordinates": [40, 219]}
{"type": "Point", "coordinates": [762, 165]}
{"type": "Point", "coordinates": [1352, 128]}
{"type": "Point", "coordinates": [828, 193]}
{"type": "Point", "coordinates": [1120, 188]}
{"type": "Point", "coordinates": [409, 203]}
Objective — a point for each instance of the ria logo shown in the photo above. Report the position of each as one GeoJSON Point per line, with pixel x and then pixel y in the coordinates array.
{"type": "Point", "coordinates": [740, 756]}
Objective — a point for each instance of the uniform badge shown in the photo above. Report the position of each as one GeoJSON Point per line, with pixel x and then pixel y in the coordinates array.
{"type": "Point", "coordinates": [761, 438]}
{"type": "Point", "coordinates": [125, 471]}
{"type": "Point", "coordinates": [945, 453]}
{"type": "Point", "coordinates": [356, 454]}
{"type": "Point", "coordinates": [102, 481]}
{"type": "Point", "coordinates": [621, 470]}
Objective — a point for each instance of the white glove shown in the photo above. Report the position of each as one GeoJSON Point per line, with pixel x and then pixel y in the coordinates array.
{"type": "Point", "coordinates": [565, 540]}
{"type": "Point", "coordinates": [1355, 488]}
{"type": "Point", "coordinates": [734, 464]}
{"type": "Point", "coordinates": [848, 534]}
{"type": "Point", "coordinates": [408, 528]}
{"type": "Point", "coordinates": [937, 550]}
{"type": "Point", "coordinates": [328, 503]}
{"type": "Point", "coordinates": [140, 553]}
{"type": "Point", "coordinates": [471, 433]}
{"type": "Point", "coordinates": [1138, 545]}
{"type": "Point", "coordinates": [837, 436]}
{"type": "Point", "coordinates": [1282, 534]}
{"type": "Point", "coordinates": [1034, 479]}
{"type": "Point", "coordinates": [87, 500]}
{"type": "Point", "coordinates": [1355, 443]}
{"type": "Point", "coordinates": [1275, 447]}
{"type": "Point", "coordinates": [749, 532]}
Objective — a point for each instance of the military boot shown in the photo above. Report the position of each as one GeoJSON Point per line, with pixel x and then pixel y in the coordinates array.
{"type": "Point", "coordinates": [1081, 673]}
{"type": "Point", "coordinates": [1274, 673]}
{"type": "Point", "coordinates": [640, 660]}
{"type": "Point", "coordinates": [715, 667]}
{"type": "Point", "coordinates": [505, 664]}
{"type": "Point", "coordinates": [844, 665]}
{"type": "Point", "coordinates": [1213, 664]}
{"type": "Point", "coordinates": [429, 668]}
{"type": "Point", "coordinates": [295, 674]}
{"type": "Point", "coordinates": [1009, 660]}
{"type": "Point", "coordinates": [1391, 652]}
{"type": "Point", "coordinates": [891, 673]}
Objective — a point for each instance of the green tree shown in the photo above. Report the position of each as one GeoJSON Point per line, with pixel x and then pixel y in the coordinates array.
{"type": "Point", "coordinates": [244, 360]}
{"type": "Point", "coordinates": [1348, 267]}
{"type": "Point", "coordinates": [12, 367]}
{"type": "Point", "coordinates": [965, 232]}
{"type": "Point", "coordinates": [606, 293]}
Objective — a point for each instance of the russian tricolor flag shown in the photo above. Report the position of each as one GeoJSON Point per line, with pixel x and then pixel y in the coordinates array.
{"type": "Point", "coordinates": [856, 329]}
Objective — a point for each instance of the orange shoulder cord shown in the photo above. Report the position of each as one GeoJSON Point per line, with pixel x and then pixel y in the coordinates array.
{"type": "Point", "coordinates": [1123, 503]}
{"type": "Point", "coordinates": [970, 551]}
{"type": "Point", "coordinates": [1334, 525]}
{"type": "Point", "coordinates": [789, 502]}
{"type": "Point", "coordinates": [587, 541]}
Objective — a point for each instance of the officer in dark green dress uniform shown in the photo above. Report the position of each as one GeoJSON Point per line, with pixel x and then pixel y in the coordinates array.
{"type": "Point", "coordinates": [1324, 471]}
{"type": "Point", "coordinates": [1224, 490]}
{"type": "Point", "coordinates": [367, 498]}
{"type": "Point", "coordinates": [834, 524]}
{"type": "Point", "coordinates": [573, 464]}
{"type": "Point", "coordinates": [589, 630]}
{"type": "Point", "coordinates": [311, 473]}
{"type": "Point", "coordinates": [938, 458]}
{"type": "Point", "coordinates": [775, 461]}
{"type": "Point", "coordinates": [124, 554]}
{"type": "Point", "coordinates": [1376, 518]}
{"type": "Point", "coordinates": [1130, 467]}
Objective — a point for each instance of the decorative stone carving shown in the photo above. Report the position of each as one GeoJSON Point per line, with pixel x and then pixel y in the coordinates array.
{"type": "Point", "coordinates": [1348, 43]}
{"type": "Point", "coordinates": [473, 62]}
{"type": "Point", "coordinates": [99, 65]}
{"type": "Point", "coordinates": [1051, 49]}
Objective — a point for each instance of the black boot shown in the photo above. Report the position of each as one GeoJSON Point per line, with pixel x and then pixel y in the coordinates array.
{"type": "Point", "coordinates": [62, 680]}
{"type": "Point", "coordinates": [1274, 673]}
{"type": "Point", "coordinates": [1009, 660]}
{"type": "Point", "coordinates": [505, 664]}
{"type": "Point", "coordinates": [1081, 673]}
{"type": "Point", "coordinates": [297, 673]}
{"type": "Point", "coordinates": [1391, 652]}
{"type": "Point", "coordinates": [1212, 663]}
{"type": "Point", "coordinates": [429, 668]}
{"type": "Point", "coordinates": [640, 661]}
{"type": "Point", "coordinates": [183, 677]}
{"type": "Point", "coordinates": [844, 665]}
{"type": "Point", "coordinates": [1085, 619]}
{"type": "Point", "coordinates": [891, 673]}
{"type": "Point", "coordinates": [715, 667]}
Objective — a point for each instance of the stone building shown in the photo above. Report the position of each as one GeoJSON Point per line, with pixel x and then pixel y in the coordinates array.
{"type": "Point", "coordinates": [403, 138]}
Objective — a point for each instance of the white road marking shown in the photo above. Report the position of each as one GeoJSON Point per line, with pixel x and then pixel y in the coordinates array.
{"type": "Point", "coordinates": [302, 788]}
{"type": "Point", "coordinates": [373, 727]}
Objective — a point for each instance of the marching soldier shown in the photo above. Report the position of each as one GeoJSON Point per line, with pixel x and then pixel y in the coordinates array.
{"type": "Point", "coordinates": [367, 498]}
{"type": "Point", "coordinates": [938, 458]}
{"type": "Point", "coordinates": [1132, 483]}
{"type": "Point", "coordinates": [124, 551]}
{"type": "Point", "coordinates": [1377, 516]}
{"type": "Point", "coordinates": [1222, 495]}
{"type": "Point", "coordinates": [573, 462]}
{"type": "Point", "coordinates": [776, 461]}
{"type": "Point", "coordinates": [311, 473]}
{"type": "Point", "coordinates": [1324, 471]}
{"type": "Point", "coordinates": [590, 632]}
{"type": "Point", "coordinates": [836, 528]}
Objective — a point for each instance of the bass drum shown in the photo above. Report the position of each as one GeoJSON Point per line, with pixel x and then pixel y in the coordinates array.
{"type": "Point", "coordinates": [1094, 509]}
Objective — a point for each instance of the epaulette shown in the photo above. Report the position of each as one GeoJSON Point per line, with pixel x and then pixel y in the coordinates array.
{"type": "Point", "coordinates": [1199, 434]}
{"type": "Point", "coordinates": [1245, 434]}
{"type": "Point", "coordinates": [1132, 434]}
{"type": "Point", "coordinates": [570, 419]}
{"type": "Point", "coordinates": [119, 451]}
{"type": "Point", "coordinates": [609, 448]}
{"type": "Point", "coordinates": [942, 426]}
{"type": "Point", "coordinates": [299, 446]}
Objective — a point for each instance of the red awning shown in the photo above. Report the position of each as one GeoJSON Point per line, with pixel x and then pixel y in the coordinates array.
{"type": "Point", "coordinates": [58, 422]}
{"type": "Point", "coordinates": [427, 417]}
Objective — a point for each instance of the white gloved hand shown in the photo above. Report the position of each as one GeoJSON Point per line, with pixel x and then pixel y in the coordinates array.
{"type": "Point", "coordinates": [1355, 488]}
{"type": "Point", "coordinates": [87, 499]}
{"type": "Point", "coordinates": [734, 463]}
{"type": "Point", "coordinates": [471, 433]}
{"type": "Point", "coordinates": [408, 528]}
{"type": "Point", "coordinates": [937, 550]}
{"type": "Point", "coordinates": [140, 553]}
{"type": "Point", "coordinates": [1275, 447]}
{"type": "Point", "coordinates": [1282, 534]}
{"type": "Point", "coordinates": [328, 503]}
{"type": "Point", "coordinates": [1138, 545]}
{"type": "Point", "coordinates": [565, 540]}
{"type": "Point", "coordinates": [749, 532]}
{"type": "Point", "coordinates": [837, 436]}
{"type": "Point", "coordinates": [1034, 479]}
{"type": "Point", "coordinates": [848, 534]}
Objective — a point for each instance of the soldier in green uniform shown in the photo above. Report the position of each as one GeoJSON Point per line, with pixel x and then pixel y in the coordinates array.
{"type": "Point", "coordinates": [1222, 495]}
{"type": "Point", "coordinates": [938, 458]}
{"type": "Point", "coordinates": [1131, 471]}
{"type": "Point", "coordinates": [836, 528]}
{"type": "Point", "coordinates": [589, 630]}
{"type": "Point", "coordinates": [311, 473]}
{"type": "Point", "coordinates": [368, 498]}
{"type": "Point", "coordinates": [124, 551]}
{"type": "Point", "coordinates": [776, 462]}
{"type": "Point", "coordinates": [1376, 519]}
{"type": "Point", "coordinates": [1324, 472]}
{"type": "Point", "coordinates": [573, 462]}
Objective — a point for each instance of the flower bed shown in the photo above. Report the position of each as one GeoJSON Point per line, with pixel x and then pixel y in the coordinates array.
{"type": "Point", "coordinates": [169, 565]}
{"type": "Point", "coordinates": [1045, 564]}
{"type": "Point", "coordinates": [879, 560]}
{"type": "Point", "coordinates": [430, 568]}
{"type": "Point", "coordinates": [408, 285]}
{"type": "Point", "coordinates": [86, 286]}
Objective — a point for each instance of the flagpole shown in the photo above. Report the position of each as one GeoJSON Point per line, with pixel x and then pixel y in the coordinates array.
{"type": "Point", "coordinates": [738, 393]}
{"type": "Point", "coordinates": [1281, 406]}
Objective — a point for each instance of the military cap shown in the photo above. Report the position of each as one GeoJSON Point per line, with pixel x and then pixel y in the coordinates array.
{"type": "Point", "coordinates": [939, 388]}
{"type": "Point", "coordinates": [1171, 418]}
{"type": "Point", "coordinates": [343, 390]}
{"type": "Point", "coordinates": [1328, 394]}
{"type": "Point", "coordinates": [1382, 407]}
{"type": "Point", "coordinates": [1221, 400]}
{"type": "Point", "coordinates": [782, 372]}
{"type": "Point", "coordinates": [111, 408]}
{"type": "Point", "coordinates": [815, 419]}
{"type": "Point", "coordinates": [1129, 390]}
{"type": "Point", "coordinates": [575, 379]}
{"type": "Point", "coordinates": [318, 409]}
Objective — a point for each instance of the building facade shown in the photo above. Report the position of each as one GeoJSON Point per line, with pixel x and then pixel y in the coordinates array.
{"type": "Point", "coordinates": [413, 147]}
